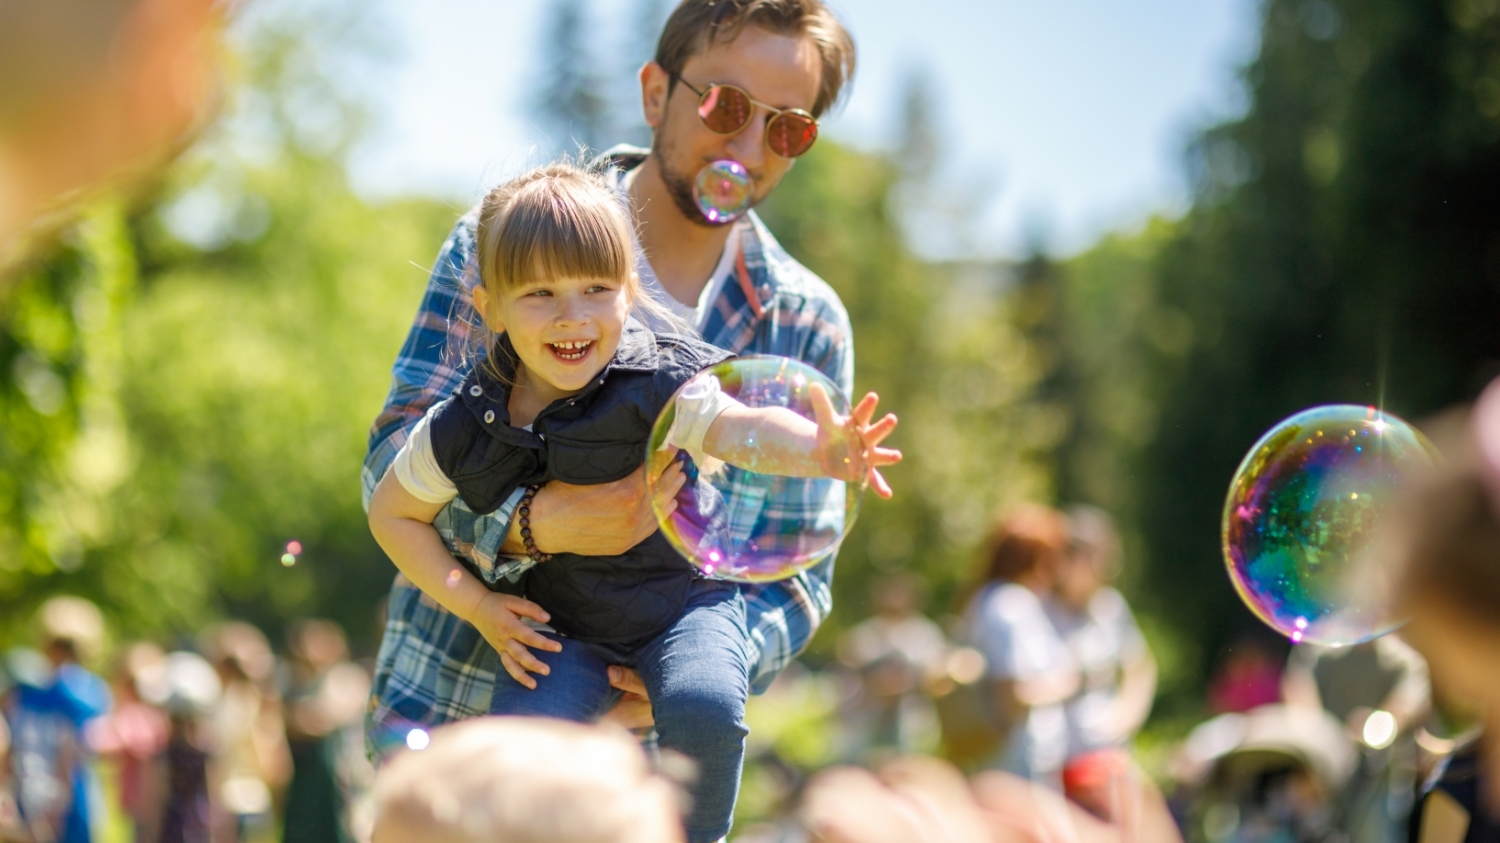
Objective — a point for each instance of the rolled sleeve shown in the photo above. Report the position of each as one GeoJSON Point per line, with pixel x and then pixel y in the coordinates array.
{"type": "Point", "coordinates": [416, 466]}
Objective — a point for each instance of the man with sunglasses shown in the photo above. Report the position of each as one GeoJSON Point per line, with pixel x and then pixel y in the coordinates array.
{"type": "Point", "coordinates": [732, 79]}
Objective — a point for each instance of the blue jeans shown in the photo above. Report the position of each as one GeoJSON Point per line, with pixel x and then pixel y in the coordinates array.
{"type": "Point", "coordinates": [698, 677]}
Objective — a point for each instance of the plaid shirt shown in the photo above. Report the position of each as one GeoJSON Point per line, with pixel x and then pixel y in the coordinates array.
{"type": "Point", "coordinates": [433, 667]}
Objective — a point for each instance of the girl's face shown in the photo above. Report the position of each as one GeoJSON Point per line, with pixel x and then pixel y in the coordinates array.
{"type": "Point", "coordinates": [564, 329]}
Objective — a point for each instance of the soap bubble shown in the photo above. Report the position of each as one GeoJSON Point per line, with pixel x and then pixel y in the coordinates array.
{"type": "Point", "coordinates": [723, 191]}
{"type": "Point", "coordinates": [1300, 513]}
{"type": "Point", "coordinates": [738, 524]}
{"type": "Point", "coordinates": [288, 559]}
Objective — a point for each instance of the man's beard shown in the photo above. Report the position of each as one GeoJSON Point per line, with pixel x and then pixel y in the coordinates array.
{"type": "Point", "coordinates": [680, 188]}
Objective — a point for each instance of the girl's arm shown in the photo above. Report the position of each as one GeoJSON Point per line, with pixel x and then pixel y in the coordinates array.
{"type": "Point", "coordinates": [402, 525]}
{"type": "Point", "coordinates": [775, 440]}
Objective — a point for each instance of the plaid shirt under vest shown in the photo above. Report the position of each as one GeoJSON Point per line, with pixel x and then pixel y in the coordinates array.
{"type": "Point", "coordinates": [433, 667]}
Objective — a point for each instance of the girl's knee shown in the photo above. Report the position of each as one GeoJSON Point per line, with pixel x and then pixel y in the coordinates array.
{"type": "Point", "coordinates": [707, 714]}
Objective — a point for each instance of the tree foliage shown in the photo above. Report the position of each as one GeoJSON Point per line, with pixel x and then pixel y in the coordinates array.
{"type": "Point", "coordinates": [1343, 247]}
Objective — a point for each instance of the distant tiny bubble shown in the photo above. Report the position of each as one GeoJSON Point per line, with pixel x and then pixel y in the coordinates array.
{"type": "Point", "coordinates": [454, 578]}
{"type": "Point", "coordinates": [294, 547]}
{"type": "Point", "coordinates": [417, 739]}
{"type": "Point", "coordinates": [288, 560]}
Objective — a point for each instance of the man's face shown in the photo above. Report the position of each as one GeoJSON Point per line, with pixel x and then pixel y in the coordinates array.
{"type": "Point", "coordinates": [777, 70]}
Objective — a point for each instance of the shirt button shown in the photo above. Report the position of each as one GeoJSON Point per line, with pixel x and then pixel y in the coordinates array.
{"type": "Point", "coordinates": [476, 391]}
{"type": "Point", "coordinates": [489, 416]}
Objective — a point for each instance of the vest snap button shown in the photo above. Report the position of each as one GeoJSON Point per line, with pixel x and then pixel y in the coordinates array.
{"type": "Point", "coordinates": [476, 391]}
{"type": "Point", "coordinates": [489, 416]}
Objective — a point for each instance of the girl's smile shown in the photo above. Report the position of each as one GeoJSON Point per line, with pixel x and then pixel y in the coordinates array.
{"type": "Point", "coordinates": [572, 351]}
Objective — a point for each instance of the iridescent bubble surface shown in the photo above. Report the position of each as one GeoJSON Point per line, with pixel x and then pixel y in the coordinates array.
{"type": "Point", "coordinates": [737, 523]}
{"type": "Point", "coordinates": [1300, 514]}
{"type": "Point", "coordinates": [723, 191]}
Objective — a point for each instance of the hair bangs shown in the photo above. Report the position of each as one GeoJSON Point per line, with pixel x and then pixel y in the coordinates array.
{"type": "Point", "coordinates": [559, 229]}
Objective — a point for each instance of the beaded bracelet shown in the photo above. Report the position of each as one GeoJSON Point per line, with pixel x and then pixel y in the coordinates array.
{"type": "Point", "coordinates": [524, 510]}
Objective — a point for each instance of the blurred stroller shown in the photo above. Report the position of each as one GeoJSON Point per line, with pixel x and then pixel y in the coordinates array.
{"type": "Point", "coordinates": [1271, 775]}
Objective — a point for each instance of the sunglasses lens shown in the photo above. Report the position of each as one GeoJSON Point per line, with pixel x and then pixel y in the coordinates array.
{"type": "Point", "coordinates": [724, 109]}
{"type": "Point", "coordinates": [790, 135]}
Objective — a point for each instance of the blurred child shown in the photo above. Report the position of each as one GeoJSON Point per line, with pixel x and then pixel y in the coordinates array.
{"type": "Point", "coordinates": [569, 390]}
{"type": "Point", "coordinates": [525, 780]}
{"type": "Point", "coordinates": [1029, 670]}
{"type": "Point", "coordinates": [1118, 673]}
{"type": "Point", "coordinates": [134, 734]}
{"type": "Point", "coordinates": [57, 786]}
{"type": "Point", "coordinates": [894, 654]}
{"type": "Point", "coordinates": [12, 828]}
{"type": "Point", "coordinates": [1450, 588]}
{"type": "Point", "coordinates": [189, 693]}
{"type": "Point", "coordinates": [325, 701]}
{"type": "Point", "coordinates": [251, 763]}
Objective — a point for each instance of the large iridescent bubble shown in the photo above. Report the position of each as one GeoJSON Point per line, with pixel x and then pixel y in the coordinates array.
{"type": "Point", "coordinates": [723, 191]}
{"type": "Point", "coordinates": [1300, 514]}
{"type": "Point", "coordinates": [738, 524]}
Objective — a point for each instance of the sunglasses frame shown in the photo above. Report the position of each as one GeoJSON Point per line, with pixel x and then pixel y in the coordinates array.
{"type": "Point", "coordinates": [754, 104]}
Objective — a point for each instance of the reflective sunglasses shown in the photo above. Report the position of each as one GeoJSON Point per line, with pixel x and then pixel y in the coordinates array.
{"type": "Point", "coordinates": [727, 109]}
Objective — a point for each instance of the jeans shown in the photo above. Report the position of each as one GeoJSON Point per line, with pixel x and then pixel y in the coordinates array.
{"type": "Point", "coordinates": [697, 676]}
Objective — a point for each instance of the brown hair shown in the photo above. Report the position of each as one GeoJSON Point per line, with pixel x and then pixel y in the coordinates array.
{"type": "Point", "coordinates": [1022, 539]}
{"type": "Point", "coordinates": [697, 24]}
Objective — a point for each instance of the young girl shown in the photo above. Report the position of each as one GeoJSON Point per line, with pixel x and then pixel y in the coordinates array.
{"type": "Point", "coordinates": [569, 390]}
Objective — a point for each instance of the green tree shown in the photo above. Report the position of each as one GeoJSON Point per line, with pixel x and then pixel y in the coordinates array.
{"type": "Point", "coordinates": [1341, 248]}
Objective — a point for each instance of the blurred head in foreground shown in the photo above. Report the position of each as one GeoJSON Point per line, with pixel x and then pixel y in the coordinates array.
{"type": "Point", "coordinates": [1449, 543]}
{"type": "Point", "coordinates": [525, 780]}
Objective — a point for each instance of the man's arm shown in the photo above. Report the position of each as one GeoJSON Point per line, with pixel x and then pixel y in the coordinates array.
{"type": "Point", "coordinates": [429, 365]}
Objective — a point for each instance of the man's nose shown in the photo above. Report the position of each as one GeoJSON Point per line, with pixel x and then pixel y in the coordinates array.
{"type": "Point", "coordinates": [749, 146]}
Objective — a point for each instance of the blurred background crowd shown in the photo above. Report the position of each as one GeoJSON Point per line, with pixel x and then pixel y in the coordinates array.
{"type": "Point", "coordinates": [1041, 671]}
{"type": "Point", "coordinates": [198, 308]}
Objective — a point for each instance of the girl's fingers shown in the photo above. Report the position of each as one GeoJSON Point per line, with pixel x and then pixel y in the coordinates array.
{"type": "Point", "coordinates": [822, 407]}
{"type": "Point", "coordinates": [525, 658]}
{"type": "Point", "coordinates": [522, 607]}
{"type": "Point", "coordinates": [877, 481]}
{"type": "Point", "coordinates": [877, 432]}
{"type": "Point", "coordinates": [515, 671]}
{"type": "Point", "coordinates": [884, 456]}
{"type": "Point", "coordinates": [865, 409]}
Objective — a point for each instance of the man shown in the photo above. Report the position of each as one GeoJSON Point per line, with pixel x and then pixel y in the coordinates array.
{"type": "Point", "coordinates": [744, 80]}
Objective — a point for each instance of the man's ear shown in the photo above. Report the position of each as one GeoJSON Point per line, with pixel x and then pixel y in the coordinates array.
{"type": "Point", "coordinates": [484, 306]}
{"type": "Point", "coordinates": [656, 85]}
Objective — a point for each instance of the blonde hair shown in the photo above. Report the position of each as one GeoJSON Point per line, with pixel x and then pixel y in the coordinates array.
{"type": "Point", "coordinates": [558, 220]}
{"type": "Point", "coordinates": [525, 780]}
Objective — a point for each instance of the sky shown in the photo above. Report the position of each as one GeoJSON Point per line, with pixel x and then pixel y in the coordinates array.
{"type": "Point", "coordinates": [1065, 117]}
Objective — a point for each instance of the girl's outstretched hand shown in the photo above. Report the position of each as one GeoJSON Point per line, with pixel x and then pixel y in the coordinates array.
{"type": "Point", "coordinates": [848, 445]}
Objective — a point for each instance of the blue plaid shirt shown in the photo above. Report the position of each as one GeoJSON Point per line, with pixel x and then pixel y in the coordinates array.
{"type": "Point", "coordinates": [433, 667]}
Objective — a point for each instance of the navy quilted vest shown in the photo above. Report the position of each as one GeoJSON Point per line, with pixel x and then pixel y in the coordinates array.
{"type": "Point", "coordinates": [597, 436]}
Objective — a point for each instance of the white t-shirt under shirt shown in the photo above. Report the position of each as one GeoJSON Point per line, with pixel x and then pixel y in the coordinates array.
{"type": "Point", "coordinates": [417, 470]}
{"type": "Point", "coordinates": [695, 314]}
{"type": "Point", "coordinates": [1008, 624]}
